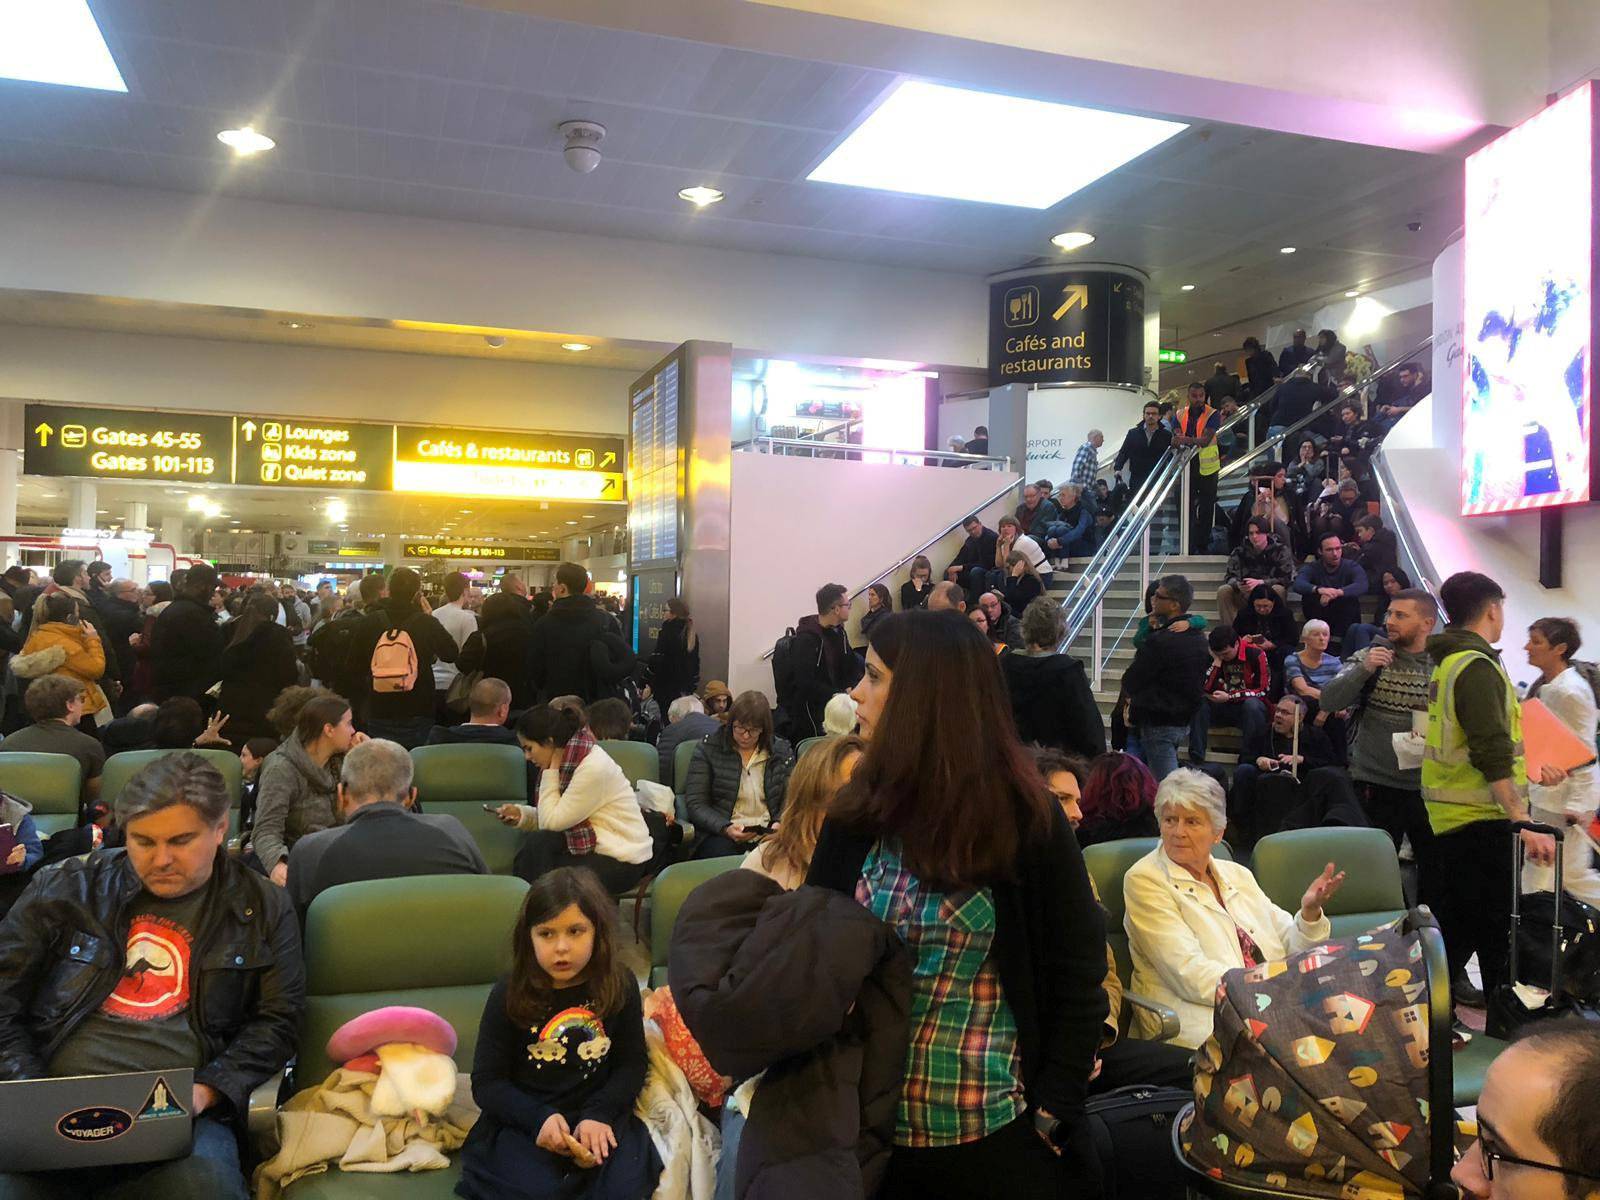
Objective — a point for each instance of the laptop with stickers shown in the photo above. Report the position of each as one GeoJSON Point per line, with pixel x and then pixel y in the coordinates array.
{"type": "Point", "coordinates": [96, 1120]}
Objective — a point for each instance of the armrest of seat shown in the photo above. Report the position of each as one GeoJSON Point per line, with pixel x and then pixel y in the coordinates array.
{"type": "Point", "coordinates": [261, 1121]}
{"type": "Point", "coordinates": [1166, 1015]}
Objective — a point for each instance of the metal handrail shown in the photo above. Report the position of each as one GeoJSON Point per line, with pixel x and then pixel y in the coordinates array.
{"type": "Point", "coordinates": [1013, 486]}
{"type": "Point", "coordinates": [1244, 461]}
{"type": "Point", "coordinates": [995, 462]}
{"type": "Point", "coordinates": [1084, 600]}
{"type": "Point", "coordinates": [1063, 385]}
{"type": "Point", "coordinates": [1409, 541]}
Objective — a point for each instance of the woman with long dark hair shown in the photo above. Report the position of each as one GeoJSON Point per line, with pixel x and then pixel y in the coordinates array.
{"type": "Point", "coordinates": [298, 791]}
{"type": "Point", "coordinates": [675, 665]}
{"type": "Point", "coordinates": [947, 833]}
{"type": "Point", "coordinates": [1266, 624]}
{"type": "Point", "coordinates": [257, 663]}
{"type": "Point", "coordinates": [879, 606]}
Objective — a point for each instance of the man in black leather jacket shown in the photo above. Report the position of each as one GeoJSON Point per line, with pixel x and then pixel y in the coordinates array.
{"type": "Point", "coordinates": [168, 954]}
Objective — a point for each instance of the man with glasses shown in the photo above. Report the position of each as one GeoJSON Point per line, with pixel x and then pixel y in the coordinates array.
{"type": "Point", "coordinates": [1163, 683]}
{"type": "Point", "coordinates": [1536, 1119]}
{"type": "Point", "coordinates": [822, 664]}
{"type": "Point", "coordinates": [1142, 448]}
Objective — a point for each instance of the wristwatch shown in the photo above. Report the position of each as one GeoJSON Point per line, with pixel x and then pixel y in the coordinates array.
{"type": "Point", "coordinates": [1046, 1126]}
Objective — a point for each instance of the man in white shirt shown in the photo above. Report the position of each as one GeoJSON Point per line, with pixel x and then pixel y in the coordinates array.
{"type": "Point", "coordinates": [459, 624]}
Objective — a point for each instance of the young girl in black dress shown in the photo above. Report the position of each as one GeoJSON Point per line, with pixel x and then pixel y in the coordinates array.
{"type": "Point", "coordinates": [560, 1059]}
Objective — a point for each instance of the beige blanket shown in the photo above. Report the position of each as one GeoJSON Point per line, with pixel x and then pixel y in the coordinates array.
{"type": "Point", "coordinates": [334, 1125]}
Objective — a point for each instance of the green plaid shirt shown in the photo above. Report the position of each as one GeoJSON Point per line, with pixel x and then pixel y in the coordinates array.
{"type": "Point", "coordinates": [963, 1076]}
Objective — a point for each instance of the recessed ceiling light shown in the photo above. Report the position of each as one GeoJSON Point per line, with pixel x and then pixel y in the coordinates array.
{"type": "Point", "coordinates": [1188, 287]}
{"type": "Point", "coordinates": [1286, 249]}
{"type": "Point", "coordinates": [571, 522]}
{"type": "Point", "coordinates": [1352, 294]}
{"type": "Point", "coordinates": [1074, 239]}
{"type": "Point", "coordinates": [245, 141]}
{"type": "Point", "coordinates": [576, 347]}
{"type": "Point", "coordinates": [932, 140]}
{"type": "Point", "coordinates": [297, 324]}
{"type": "Point", "coordinates": [57, 42]}
{"type": "Point", "coordinates": [700, 196]}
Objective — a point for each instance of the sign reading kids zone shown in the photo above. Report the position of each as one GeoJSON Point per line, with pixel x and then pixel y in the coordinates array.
{"type": "Point", "coordinates": [1066, 327]}
{"type": "Point", "coordinates": [306, 452]}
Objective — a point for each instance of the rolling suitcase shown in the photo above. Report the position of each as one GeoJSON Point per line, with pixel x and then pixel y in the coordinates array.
{"type": "Point", "coordinates": [1508, 1013]}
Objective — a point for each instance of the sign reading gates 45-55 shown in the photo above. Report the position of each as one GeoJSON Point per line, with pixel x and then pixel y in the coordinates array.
{"type": "Point", "coordinates": [127, 444]}
{"type": "Point", "coordinates": [1066, 326]}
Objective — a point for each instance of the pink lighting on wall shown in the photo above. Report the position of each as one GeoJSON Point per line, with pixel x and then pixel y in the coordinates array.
{"type": "Point", "coordinates": [894, 414]}
{"type": "Point", "coordinates": [1529, 317]}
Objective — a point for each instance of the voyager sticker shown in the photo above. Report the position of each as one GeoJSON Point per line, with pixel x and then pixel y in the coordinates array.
{"type": "Point", "coordinates": [94, 1124]}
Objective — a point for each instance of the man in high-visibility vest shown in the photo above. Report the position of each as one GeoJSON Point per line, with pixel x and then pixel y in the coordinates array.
{"type": "Point", "coordinates": [1197, 426]}
{"type": "Point", "coordinates": [1474, 781]}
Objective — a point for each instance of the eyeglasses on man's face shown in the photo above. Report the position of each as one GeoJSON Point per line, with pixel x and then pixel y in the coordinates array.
{"type": "Point", "coordinates": [1491, 1155]}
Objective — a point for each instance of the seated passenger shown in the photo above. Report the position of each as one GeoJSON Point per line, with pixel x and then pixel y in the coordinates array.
{"type": "Point", "coordinates": [686, 722]}
{"type": "Point", "coordinates": [296, 794]}
{"type": "Point", "coordinates": [839, 717]}
{"type": "Point", "coordinates": [380, 838]}
{"type": "Point", "coordinates": [1118, 800]}
{"type": "Point", "coordinates": [1235, 694]}
{"type": "Point", "coordinates": [488, 708]}
{"type": "Point", "coordinates": [173, 897]}
{"type": "Point", "coordinates": [1191, 917]}
{"type": "Point", "coordinates": [610, 720]}
{"type": "Point", "coordinates": [557, 1115]}
{"type": "Point", "coordinates": [818, 777]}
{"type": "Point", "coordinates": [737, 777]}
{"type": "Point", "coordinates": [55, 703]}
{"type": "Point", "coordinates": [587, 815]}
{"type": "Point", "coordinates": [1120, 1061]}
{"type": "Point", "coordinates": [1307, 669]}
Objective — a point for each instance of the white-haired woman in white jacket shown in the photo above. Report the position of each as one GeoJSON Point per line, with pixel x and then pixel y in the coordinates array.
{"type": "Point", "coordinates": [1191, 917]}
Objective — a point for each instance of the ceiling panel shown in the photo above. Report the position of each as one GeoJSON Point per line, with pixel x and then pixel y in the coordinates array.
{"type": "Point", "coordinates": [437, 108]}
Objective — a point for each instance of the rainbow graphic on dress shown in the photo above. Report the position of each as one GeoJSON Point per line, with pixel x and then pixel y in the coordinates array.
{"type": "Point", "coordinates": [572, 1020]}
{"type": "Point", "coordinates": [576, 1026]}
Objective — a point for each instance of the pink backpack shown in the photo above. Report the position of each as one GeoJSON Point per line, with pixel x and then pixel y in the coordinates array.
{"type": "Point", "coordinates": [394, 663]}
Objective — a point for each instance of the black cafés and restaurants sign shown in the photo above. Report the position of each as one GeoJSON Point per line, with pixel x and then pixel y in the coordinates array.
{"type": "Point", "coordinates": [1066, 327]}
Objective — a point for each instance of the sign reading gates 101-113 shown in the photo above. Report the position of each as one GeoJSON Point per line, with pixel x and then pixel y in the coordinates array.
{"type": "Point", "coordinates": [1066, 327]}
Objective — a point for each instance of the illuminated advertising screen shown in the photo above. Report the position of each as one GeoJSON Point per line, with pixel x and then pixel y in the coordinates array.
{"type": "Point", "coordinates": [1529, 314]}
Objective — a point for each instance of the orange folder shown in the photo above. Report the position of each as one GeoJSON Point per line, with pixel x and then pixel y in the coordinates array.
{"type": "Point", "coordinates": [1547, 741]}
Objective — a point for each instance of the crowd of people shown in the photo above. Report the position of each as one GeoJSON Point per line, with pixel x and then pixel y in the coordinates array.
{"type": "Point", "coordinates": [910, 929]}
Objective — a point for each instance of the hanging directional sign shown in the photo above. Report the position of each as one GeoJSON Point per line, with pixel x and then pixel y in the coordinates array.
{"type": "Point", "coordinates": [275, 450]}
{"type": "Point", "coordinates": [114, 443]}
{"type": "Point", "coordinates": [1066, 326]}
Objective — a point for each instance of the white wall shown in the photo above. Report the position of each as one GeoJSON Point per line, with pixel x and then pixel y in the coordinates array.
{"type": "Point", "coordinates": [126, 370]}
{"type": "Point", "coordinates": [958, 418]}
{"type": "Point", "coordinates": [1060, 418]}
{"type": "Point", "coordinates": [799, 523]}
{"type": "Point", "coordinates": [109, 241]}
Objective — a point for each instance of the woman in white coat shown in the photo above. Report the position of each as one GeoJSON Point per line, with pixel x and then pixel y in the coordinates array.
{"type": "Point", "coordinates": [1564, 799]}
{"type": "Point", "coordinates": [1191, 917]}
{"type": "Point", "coordinates": [587, 815]}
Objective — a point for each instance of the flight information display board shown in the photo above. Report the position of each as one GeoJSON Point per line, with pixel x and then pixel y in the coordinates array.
{"type": "Point", "coordinates": [266, 450]}
{"type": "Point", "coordinates": [655, 483]}
{"type": "Point", "coordinates": [101, 443]}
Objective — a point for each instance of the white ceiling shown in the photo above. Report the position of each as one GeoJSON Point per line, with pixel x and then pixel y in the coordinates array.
{"type": "Point", "coordinates": [442, 109]}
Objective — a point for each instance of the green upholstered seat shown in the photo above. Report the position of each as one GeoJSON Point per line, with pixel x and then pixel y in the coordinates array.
{"type": "Point", "coordinates": [349, 1185]}
{"type": "Point", "coordinates": [1108, 862]}
{"type": "Point", "coordinates": [122, 767]}
{"type": "Point", "coordinates": [638, 760]}
{"type": "Point", "coordinates": [806, 743]}
{"type": "Point", "coordinates": [52, 783]}
{"type": "Point", "coordinates": [1470, 1063]}
{"type": "Point", "coordinates": [680, 765]}
{"type": "Point", "coordinates": [1285, 863]}
{"type": "Point", "coordinates": [667, 894]}
{"type": "Point", "coordinates": [433, 941]}
{"type": "Point", "coordinates": [460, 780]}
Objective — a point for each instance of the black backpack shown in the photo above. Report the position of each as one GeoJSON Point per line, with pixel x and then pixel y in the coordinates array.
{"type": "Point", "coordinates": [783, 673]}
{"type": "Point", "coordinates": [328, 651]}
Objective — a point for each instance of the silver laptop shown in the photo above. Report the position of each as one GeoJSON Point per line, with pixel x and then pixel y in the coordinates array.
{"type": "Point", "coordinates": [96, 1120]}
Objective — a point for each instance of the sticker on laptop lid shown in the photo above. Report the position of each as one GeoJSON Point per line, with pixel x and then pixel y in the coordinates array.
{"type": "Point", "coordinates": [90, 1125]}
{"type": "Point", "coordinates": [162, 1103]}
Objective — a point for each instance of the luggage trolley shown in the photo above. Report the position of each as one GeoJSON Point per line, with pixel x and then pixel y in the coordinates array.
{"type": "Point", "coordinates": [1329, 1075]}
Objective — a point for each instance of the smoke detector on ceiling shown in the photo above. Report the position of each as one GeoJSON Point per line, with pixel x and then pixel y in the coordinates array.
{"type": "Point", "coordinates": [583, 144]}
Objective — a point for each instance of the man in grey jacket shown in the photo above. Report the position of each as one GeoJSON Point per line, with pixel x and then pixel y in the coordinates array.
{"type": "Point", "coordinates": [381, 838]}
{"type": "Point", "coordinates": [1383, 685]}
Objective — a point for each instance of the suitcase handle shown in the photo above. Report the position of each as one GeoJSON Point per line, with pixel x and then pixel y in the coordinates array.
{"type": "Point", "coordinates": [1518, 853]}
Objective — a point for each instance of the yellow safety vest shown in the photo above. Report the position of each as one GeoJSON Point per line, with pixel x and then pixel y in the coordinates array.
{"type": "Point", "coordinates": [1210, 457]}
{"type": "Point", "coordinates": [1456, 792]}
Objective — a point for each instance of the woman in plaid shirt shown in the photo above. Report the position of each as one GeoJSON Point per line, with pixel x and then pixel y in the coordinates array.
{"type": "Point", "coordinates": [947, 833]}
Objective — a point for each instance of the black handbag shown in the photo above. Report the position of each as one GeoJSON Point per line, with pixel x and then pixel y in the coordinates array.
{"type": "Point", "coordinates": [1132, 1132]}
{"type": "Point", "coordinates": [1580, 943]}
{"type": "Point", "coordinates": [1507, 1013]}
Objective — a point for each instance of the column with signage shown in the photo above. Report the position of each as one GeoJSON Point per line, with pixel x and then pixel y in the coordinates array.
{"type": "Point", "coordinates": [1083, 326]}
